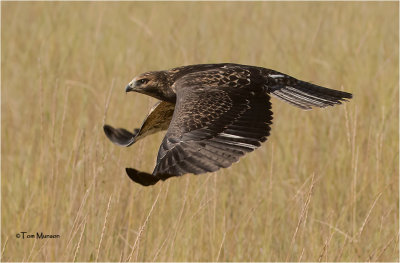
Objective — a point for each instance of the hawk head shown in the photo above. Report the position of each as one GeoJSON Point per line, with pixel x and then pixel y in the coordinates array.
{"type": "Point", "coordinates": [155, 84]}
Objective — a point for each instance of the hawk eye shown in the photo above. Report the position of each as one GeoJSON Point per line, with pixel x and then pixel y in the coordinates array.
{"type": "Point", "coordinates": [143, 81]}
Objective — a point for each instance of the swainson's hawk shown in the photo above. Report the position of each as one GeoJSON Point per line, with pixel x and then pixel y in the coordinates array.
{"type": "Point", "coordinates": [213, 114]}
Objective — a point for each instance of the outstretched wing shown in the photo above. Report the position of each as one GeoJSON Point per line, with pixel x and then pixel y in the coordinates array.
{"type": "Point", "coordinates": [157, 120]}
{"type": "Point", "coordinates": [215, 122]}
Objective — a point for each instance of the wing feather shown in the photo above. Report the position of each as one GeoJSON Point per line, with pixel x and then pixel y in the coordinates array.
{"type": "Point", "coordinates": [230, 132]}
{"type": "Point", "coordinates": [157, 119]}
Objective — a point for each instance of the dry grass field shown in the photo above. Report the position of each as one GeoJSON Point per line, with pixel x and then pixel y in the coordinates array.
{"type": "Point", "coordinates": [324, 187]}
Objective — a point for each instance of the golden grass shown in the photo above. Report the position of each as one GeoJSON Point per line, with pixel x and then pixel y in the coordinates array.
{"type": "Point", "coordinates": [324, 187]}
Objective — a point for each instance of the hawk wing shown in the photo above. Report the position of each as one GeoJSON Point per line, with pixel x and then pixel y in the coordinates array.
{"type": "Point", "coordinates": [158, 119]}
{"type": "Point", "coordinates": [215, 122]}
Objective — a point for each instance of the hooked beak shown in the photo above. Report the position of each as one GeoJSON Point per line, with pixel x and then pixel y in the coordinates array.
{"type": "Point", "coordinates": [130, 86]}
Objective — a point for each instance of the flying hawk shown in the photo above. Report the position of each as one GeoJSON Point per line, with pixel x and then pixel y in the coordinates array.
{"type": "Point", "coordinates": [213, 114]}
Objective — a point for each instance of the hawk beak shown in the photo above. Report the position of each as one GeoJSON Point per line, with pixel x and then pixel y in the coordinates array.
{"type": "Point", "coordinates": [128, 88]}
{"type": "Point", "coordinates": [131, 86]}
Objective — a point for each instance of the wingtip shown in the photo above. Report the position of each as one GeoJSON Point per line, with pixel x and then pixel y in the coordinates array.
{"type": "Point", "coordinates": [141, 178]}
{"type": "Point", "coordinates": [107, 129]}
{"type": "Point", "coordinates": [119, 136]}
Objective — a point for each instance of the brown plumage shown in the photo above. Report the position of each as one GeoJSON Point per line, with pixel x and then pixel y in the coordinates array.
{"type": "Point", "coordinates": [213, 114]}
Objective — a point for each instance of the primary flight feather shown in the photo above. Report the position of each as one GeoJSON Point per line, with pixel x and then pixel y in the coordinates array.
{"type": "Point", "coordinates": [213, 114]}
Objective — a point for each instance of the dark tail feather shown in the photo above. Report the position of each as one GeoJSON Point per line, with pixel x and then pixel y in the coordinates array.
{"type": "Point", "coordinates": [306, 95]}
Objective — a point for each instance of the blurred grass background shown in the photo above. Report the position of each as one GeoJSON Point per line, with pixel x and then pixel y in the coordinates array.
{"type": "Point", "coordinates": [324, 187]}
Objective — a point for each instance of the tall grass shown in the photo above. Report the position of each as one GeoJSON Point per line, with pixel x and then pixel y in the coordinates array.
{"type": "Point", "coordinates": [324, 187]}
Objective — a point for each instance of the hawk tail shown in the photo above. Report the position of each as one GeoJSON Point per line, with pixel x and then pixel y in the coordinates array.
{"type": "Point", "coordinates": [307, 95]}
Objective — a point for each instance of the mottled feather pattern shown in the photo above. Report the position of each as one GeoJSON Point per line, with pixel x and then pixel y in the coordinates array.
{"type": "Point", "coordinates": [209, 147]}
{"type": "Point", "coordinates": [210, 105]}
{"type": "Point", "coordinates": [214, 114]}
{"type": "Point", "coordinates": [158, 119]}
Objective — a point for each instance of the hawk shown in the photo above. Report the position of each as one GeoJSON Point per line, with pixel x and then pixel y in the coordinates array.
{"type": "Point", "coordinates": [213, 114]}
